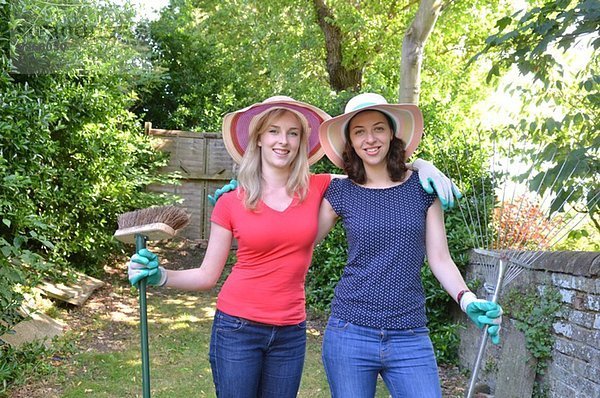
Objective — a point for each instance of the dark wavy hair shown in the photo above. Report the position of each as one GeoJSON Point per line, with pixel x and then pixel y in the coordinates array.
{"type": "Point", "coordinates": [353, 164]}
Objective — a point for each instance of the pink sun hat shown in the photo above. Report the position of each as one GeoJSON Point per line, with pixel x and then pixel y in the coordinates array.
{"type": "Point", "coordinates": [238, 125]}
{"type": "Point", "coordinates": [407, 120]}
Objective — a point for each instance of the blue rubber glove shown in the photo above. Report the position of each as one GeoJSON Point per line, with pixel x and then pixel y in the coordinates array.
{"type": "Point", "coordinates": [144, 264]}
{"type": "Point", "coordinates": [432, 179]}
{"type": "Point", "coordinates": [225, 188]}
{"type": "Point", "coordinates": [483, 312]}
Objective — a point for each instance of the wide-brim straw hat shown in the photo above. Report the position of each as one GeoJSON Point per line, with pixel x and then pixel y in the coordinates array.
{"type": "Point", "coordinates": [238, 125]}
{"type": "Point", "coordinates": [407, 120]}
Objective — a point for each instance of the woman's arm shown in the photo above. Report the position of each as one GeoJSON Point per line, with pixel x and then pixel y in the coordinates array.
{"type": "Point", "coordinates": [438, 254]}
{"type": "Point", "coordinates": [327, 219]}
{"type": "Point", "coordinates": [206, 276]}
{"type": "Point", "coordinates": [481, 312]}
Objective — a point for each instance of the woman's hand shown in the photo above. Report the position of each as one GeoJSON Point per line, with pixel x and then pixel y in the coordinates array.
{"type": "Point", "coordinates": [144, 264]}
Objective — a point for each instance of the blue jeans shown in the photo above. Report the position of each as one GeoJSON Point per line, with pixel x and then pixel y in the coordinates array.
{"type": "Point", "coordinates": [354, 355]}
{"type": "Point", "coordinates": [251, 360]}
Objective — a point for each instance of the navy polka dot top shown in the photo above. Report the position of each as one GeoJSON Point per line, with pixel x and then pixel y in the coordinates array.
{"type": "Point", "coordinates": [381, 284]}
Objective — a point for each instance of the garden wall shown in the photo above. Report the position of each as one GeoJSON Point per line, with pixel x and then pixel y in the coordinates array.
{"type": "Point", "coordinates": [574, 368]}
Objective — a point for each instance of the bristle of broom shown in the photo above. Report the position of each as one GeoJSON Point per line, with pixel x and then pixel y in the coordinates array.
{"type": "Point", "coordinates": [174, 217]}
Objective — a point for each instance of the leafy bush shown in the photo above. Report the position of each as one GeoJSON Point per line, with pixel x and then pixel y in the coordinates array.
{"type": "Point", "coordinates": [72, 154]}
{"type": "Point", "coordinates": [535, 312]}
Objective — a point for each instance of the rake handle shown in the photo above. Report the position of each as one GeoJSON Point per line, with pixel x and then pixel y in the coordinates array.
{"type": "Point", "coordinates": [484, 335]}
{"type": "Point", "coordinates": [140, 243]}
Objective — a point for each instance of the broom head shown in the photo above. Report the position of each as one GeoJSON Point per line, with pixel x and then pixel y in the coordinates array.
{"type": "Point", "coordinates": [155, 223]}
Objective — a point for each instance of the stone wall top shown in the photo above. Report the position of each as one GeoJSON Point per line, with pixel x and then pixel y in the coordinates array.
{"type": "Point", "coordinates": [569, 262]}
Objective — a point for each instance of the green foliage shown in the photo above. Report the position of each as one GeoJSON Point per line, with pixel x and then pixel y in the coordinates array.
{"type": "Point", "coordinates": [444, 332]}
{"type": "Point", "coordinates": [326, 269]}
{"type": "Point", "coordinates": [556, 45]}
{"type": "Point", "coordinates": [329, 258]}
{"type": "Point", "coordinates": [212, 66]}
{"type": "Point", "coordinates": [535, 31]}
{"type": "Point", "coordinates": [72, 155]}
{"type": "Point", "coordinates": [31, 359]}
{"type": "Point", "coordinates": [535, 313]}
{"type": "Point", "coordinates": [15, 364]}
{"type": "Point", "coordinates": [586, 238]}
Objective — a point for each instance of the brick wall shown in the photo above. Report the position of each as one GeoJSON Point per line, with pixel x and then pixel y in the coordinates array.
{"type": "Point", "coordinates": [574, 370]}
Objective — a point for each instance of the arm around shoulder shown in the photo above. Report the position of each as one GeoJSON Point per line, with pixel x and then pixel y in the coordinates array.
{"type": "Point", "coordinates": [432, 179]}
{"type": "Point", "coordinates": [327, 219]}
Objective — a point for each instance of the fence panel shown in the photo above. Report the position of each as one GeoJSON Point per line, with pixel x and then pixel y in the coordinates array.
{"type": "Point", "coordinates": [202, 164]}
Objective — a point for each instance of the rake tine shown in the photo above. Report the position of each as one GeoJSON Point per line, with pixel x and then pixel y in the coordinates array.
{"type": "Point", "coordinates": [485, 212]}
{"type": "Point", "coordinates": [512, 273]}
{"type": "Point", "coordinates": [541, 205]}
{"type": "Point", "coordinates": [568, 226]}
{"type": "Point", "coordinates": [504, 243]}
{"type": "Point", "coordinates": [477, 234]}
{"type": "Point", "coordinates": [499, 236]}
{"type": "Point", "coordinates": [460, 207]}
{"type": "Point", "coordinates": [478, 216]}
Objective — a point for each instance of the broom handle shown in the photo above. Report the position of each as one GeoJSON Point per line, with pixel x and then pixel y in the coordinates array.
{"type": "Point", "coordinates": [484, 335]}
{"type": "Point", "coordinates": [140, 243]}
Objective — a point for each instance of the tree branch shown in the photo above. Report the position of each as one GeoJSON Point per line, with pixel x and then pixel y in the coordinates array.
{"type": "Point", "coordinates": [412, 50]}
{"type": "Point", "coordinates": [340, 77]}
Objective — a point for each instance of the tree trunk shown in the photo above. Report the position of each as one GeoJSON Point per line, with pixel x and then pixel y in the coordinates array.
{"type": "Point", "coordinates": [340, 77]}
{"type": "Point", "coordinates": [412, 50]}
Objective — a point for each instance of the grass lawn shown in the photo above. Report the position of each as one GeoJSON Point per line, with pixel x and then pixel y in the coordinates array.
{"type": "Point", "coordinates": [106, 359]}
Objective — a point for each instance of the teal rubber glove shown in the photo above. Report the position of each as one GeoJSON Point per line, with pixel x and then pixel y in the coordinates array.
{"type": "Point", "coordinates": [433, 180]}
{"type": "Point", "coordinates": [144, 264]}
{"type": "Point", "coordinates": [483, 312]}
{"type": "Point", "coordinates": [225, 188]}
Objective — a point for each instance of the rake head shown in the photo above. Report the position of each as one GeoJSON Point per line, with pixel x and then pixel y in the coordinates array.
{"type": "Point", "coordinates": [499, 269]}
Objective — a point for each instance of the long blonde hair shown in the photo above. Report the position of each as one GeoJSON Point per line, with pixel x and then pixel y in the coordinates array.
{"type": "Point", "coordinates": [250, 174]}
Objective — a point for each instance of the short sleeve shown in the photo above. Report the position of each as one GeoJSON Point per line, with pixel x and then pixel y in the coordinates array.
{"type": "Point", "coordinates": [319, 183]}
{"type": "Point", "coordinates": [334, 195]}
{"type": "Point", "coordinates": [221, 214]}
{"type": "Point", "coordinates": [428, 198]}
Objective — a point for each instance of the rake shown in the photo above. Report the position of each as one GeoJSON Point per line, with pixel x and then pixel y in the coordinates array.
{"type": "Point", "coordinates": [499, 220]}
{"type": "Point", "coordinates": [502, 269]}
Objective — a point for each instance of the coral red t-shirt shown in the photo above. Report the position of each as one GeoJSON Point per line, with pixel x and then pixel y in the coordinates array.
{"type": "Point", "coordinates": [274, 252]}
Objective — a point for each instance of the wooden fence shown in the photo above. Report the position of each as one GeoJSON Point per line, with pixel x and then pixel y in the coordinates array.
{"type": "Point", "coordinates": [202, 165]}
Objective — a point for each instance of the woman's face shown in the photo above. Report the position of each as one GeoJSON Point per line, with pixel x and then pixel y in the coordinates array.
{"type": "Point", "coordinates": [370, 135]}
{"type": "Point", "coordinates": [280, 141]}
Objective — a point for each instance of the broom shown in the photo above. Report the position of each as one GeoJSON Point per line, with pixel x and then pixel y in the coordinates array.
{"type": "Point", "coordinates": [139, 227]}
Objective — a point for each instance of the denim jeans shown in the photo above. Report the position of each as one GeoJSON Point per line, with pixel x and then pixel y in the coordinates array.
{"type": "Point", "coordinates": [256, 360]}
{"type": "Point", "coordinates": [354, 356]}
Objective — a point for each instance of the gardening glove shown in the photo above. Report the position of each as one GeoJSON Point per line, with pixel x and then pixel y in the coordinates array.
{"type": "Point", "coordinates": [144, 264]}
{"type": "Point", "coordinates": [225, 188]}
{"type": "Point", "coordinates": [483, 312]}
{"type": "Point", "coordinates": [433, 179]}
